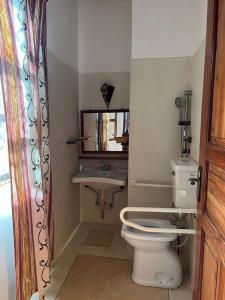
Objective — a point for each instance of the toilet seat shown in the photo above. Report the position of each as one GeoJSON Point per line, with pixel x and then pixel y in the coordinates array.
{"type": "Point", "coordinates": [149, 236]}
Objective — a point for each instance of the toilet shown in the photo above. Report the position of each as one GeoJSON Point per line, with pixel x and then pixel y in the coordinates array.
{"type": "Point", "coordinates": [155, 262]}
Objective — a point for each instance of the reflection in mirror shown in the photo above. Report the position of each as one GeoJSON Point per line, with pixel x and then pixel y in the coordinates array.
{"type": "Point", "coordinates": [105, 131]}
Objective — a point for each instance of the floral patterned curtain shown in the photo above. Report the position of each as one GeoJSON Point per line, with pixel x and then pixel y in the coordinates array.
{"type": "Point", "coordinates": [24, 85]}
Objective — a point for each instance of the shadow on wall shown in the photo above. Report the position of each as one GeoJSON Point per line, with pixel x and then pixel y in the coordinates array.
{"type": "Point", "coordinates": [63, 121]}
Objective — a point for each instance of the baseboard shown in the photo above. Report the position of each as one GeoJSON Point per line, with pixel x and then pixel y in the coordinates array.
{"type": "Point", "coordinates": [61, 265]}
{"type": "Point", "coordinates": [57, 258]}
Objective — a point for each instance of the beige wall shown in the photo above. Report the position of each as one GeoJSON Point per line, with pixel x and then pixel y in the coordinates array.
{"type": "Point", "coordinates": [63, 105]}
{"type": "Point", "coordinates": [104, 57]}
{"type": "Point", "coordinates": [89, 89]}
{"type": "Point", "coordinates": [62, 27]}
{"type": "Point", "coordinates": [154, 132]}
{"type": "Point", "coordinates": [64, 116]}
{"type": "Point", "coordinates": [154, 139]}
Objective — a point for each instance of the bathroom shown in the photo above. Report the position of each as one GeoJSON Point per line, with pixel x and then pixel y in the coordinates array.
{"type": "Point", "coordinates": [122, 43]}
{"type": "Point", "coordinates": [148, 53]}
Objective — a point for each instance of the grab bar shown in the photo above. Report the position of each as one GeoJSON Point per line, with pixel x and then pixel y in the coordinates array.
{"type": "Point", "coordinates": [149, 184]}
{"type": "Point", "coordinates": [161, 210]}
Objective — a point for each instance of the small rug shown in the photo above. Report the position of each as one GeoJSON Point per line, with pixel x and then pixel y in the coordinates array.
{"type": "Point", "coordinates": [99, 238]}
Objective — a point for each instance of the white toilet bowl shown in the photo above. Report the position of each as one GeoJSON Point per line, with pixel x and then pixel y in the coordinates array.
{"type": "Point", "coordinates": [155, 263]}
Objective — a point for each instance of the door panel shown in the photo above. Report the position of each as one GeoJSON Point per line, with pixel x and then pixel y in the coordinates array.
{"type": "Point", "coordinates": [218, 114]}
{"type": "Point", "coordinates": [209, 277]}
{"type": "Point", "coordinates": [213, 263]}
{"type": "Point", "coordinates": [221, 285]}
{"type": "Point", "coordinates": [215, 201]}
{"type": "Point", "coordinates": [210, 250]}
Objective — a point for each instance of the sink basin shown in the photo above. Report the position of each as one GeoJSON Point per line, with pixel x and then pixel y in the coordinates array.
{"type": "Point", "coordinates": [100, 179]}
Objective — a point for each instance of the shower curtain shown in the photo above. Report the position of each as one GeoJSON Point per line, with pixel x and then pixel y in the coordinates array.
{"type": "Point", "coordinates": [24, 85]}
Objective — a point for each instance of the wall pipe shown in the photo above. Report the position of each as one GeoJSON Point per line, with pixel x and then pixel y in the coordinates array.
{"type": "Point", "coordinates": [95, 192]}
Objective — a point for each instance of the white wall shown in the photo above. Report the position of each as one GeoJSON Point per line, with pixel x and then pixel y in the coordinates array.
{"type": "Point", "coordinates": [64, 116]}
{"type": "Point", "coordinates": [62, 30]}
{"type": "Point", "coordinates": [167, 28]}
{"type": "Point", "coordinates": [104, 35]}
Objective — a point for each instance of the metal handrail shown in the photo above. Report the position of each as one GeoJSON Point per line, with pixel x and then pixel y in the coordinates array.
{"type": "Point", "coordinates": [150, 184]}
{"type": "Point", "coordinates": [161, 210]}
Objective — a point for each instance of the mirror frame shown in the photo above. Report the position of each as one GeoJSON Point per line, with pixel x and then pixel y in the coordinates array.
{"type": "Point", "coordinates": [82, 112]}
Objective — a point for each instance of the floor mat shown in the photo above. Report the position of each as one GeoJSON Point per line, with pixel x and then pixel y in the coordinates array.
{"type": "Point", "coordinates": [99, 238]}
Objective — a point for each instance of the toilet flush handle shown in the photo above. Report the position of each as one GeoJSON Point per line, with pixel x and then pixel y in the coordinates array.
{"type": "Point", "coordinates": [193, 180]}
{"type": "Point", "coordinates": [197, 180]}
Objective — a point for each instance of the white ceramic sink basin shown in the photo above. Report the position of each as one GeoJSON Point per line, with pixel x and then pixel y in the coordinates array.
{"type": "Point", "coordinates": [100, 179]}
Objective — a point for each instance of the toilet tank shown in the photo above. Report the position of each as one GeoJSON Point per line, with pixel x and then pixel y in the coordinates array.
{"type": "Point", "coordinates": [184, 192]}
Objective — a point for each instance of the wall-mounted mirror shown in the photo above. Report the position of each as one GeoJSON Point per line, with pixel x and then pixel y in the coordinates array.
{"type": "Point", "coordinates": [105, 131]}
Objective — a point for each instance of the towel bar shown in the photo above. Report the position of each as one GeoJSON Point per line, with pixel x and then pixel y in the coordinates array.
{"type": "Point", "coordinates": [149, 184]}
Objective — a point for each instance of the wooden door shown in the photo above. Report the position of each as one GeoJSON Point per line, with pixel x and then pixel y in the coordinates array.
{"type": "Point", "coordinates": [210, 251]}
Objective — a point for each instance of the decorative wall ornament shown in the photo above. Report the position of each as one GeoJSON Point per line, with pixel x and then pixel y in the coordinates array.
{"type": "Point", "coordinates": [107, 92]}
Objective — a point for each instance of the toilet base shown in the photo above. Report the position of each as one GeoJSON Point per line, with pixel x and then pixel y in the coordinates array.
{"type": "Point", "coordinates": [157, 269]}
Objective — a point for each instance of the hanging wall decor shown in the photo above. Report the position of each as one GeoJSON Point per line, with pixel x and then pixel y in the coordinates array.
{"type": "Point", "coordinates": [107, 92]}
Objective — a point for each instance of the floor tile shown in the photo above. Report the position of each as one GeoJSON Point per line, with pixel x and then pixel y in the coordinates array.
{"type": "Point", "coordinates": [101, 278]}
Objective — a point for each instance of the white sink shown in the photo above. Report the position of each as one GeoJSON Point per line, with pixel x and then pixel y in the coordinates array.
{"type": "Point", "coordinates": [100, 179]}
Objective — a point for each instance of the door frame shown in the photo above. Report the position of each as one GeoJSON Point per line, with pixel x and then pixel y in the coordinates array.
{"type": "Point", "coordinates": [206, 118]}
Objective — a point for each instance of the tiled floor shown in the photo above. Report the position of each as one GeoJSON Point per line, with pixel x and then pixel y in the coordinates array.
{"type": "Point", "coordinates": [102, 270]}
{"type": "Point", "coordinates": [101, 278]}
